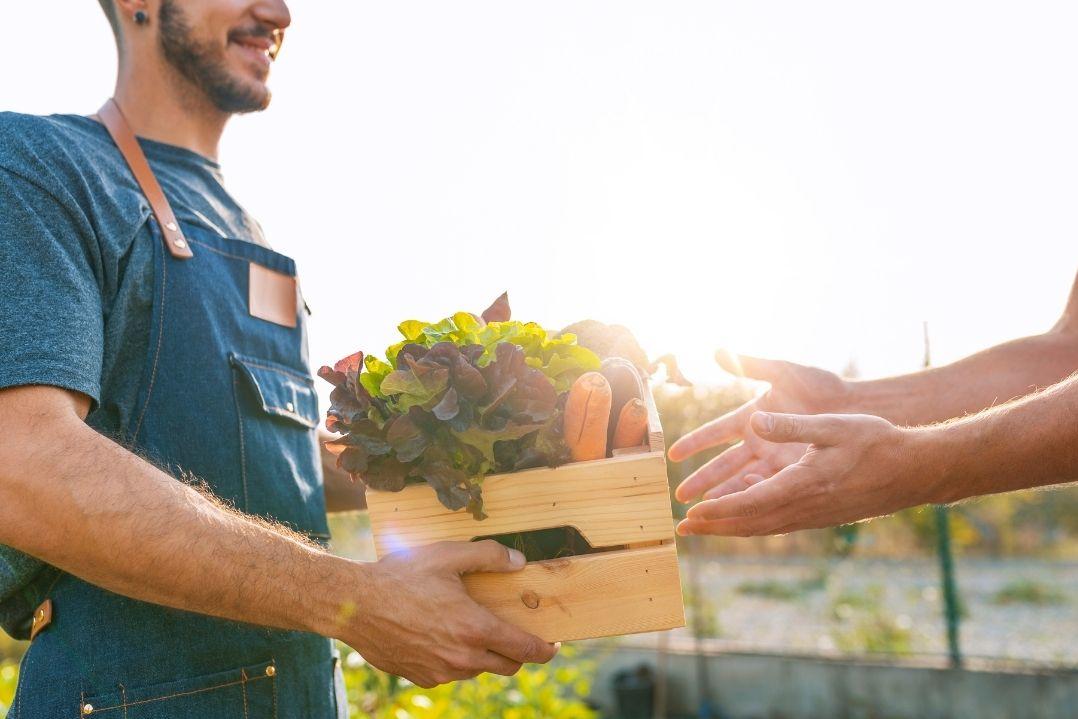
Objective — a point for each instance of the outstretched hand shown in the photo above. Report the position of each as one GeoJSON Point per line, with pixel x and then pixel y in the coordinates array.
{"type": "Point", "coordinates": [855, 467]}
{"type": "Point", "coordinates": [794, 388]}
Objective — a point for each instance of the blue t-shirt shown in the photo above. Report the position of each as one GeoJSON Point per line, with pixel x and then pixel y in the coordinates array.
{"type": "Point", "coordinates": [76, 269]}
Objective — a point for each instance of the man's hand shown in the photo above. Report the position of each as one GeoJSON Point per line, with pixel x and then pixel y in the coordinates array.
{"type": "Point", "coordinates": [794, 388]}
{"type": "Point", "coordinates": [855, 467]}
{"type": "Point", "coordinates": [418, 621]}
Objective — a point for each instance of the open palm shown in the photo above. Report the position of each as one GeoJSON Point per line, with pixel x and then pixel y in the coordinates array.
{"type": "Point", "coordinates": [794, 389]}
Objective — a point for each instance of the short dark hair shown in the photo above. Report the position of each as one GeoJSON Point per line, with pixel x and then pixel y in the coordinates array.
{"type": "Point", "coordinates": [110, 12]}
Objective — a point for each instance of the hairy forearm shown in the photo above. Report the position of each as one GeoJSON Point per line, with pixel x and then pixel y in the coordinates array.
{"type": "Point", "coordinates": [1031, 442]}
{"type": "Point", "coordinates": [90, 507]}
{"type": "Point", "coordinates": [986, 379]}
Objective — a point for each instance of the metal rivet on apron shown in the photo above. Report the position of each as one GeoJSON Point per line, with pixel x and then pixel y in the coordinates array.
{"type": "Point", "coordinates": [87, 709]}
{"type": "Point", "coordinates": [290, 407]}
{"type": "Point", "coordinates": [271, 670]}
{"type": "Point", "coordinates": [39, 615]}
{"type": "Point", "coordinates": [179, 243]}
{"type": "Point", "coordinates": [171, 227]}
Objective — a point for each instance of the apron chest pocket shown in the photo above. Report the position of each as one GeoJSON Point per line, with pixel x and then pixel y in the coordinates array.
{"type": "Point", "coordinates": [280, 462]}
{"type": "Point", "coordinates": [247, 692]}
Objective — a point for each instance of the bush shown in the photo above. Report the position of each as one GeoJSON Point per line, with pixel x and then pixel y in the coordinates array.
{"type": "Point", "coordinates": [1029, 591]}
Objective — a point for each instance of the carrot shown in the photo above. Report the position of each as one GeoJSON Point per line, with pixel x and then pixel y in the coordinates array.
{"type": "Point", "coordinates": [632, 425]}
{"type": "Point", "coordinates": [587, 416]}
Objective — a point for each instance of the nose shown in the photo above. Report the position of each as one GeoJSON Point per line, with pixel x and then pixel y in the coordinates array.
{"type": "Point", "coordinates": [274, 13]}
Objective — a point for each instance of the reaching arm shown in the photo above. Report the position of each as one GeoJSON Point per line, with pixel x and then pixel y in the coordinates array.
{"type": "Point", "coordinates": [859, 466]}
{"type": "Point", "coordinates": [998, 374]}
{"type": "Point", "coordinates": [73, 498]}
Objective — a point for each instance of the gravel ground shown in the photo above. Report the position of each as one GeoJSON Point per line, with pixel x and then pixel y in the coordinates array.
{"type": "Point", "coordinates": [804, 606]}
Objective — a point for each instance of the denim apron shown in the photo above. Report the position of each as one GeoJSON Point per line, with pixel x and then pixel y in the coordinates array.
{"type": "Point", "coordinates": [226, 398]}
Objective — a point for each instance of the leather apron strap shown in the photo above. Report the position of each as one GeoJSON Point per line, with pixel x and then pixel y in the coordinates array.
{"type": "Point", "coordinates": [113, 120]}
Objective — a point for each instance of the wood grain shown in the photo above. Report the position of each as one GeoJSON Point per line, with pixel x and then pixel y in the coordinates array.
{"type": "Point", "coordinates": [610, 501]}
{"type": "Point", "coordinates": [597, 595]}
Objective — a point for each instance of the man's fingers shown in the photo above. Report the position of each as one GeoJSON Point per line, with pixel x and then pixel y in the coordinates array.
{"type": "Point", "coordinates": [747, 476]}
{"type": "Point", "coordinates": [497, 664]}
{"type": "Point", "coordinates": [762, 498]}
{"type": "Point", "coordinates": [767, 370]}
{"type": "Point", "coordinates": [726, 428]}
{"type": "Point", "coordinates": [819, 429]}
{"type": "Point", "coordinates": [519, 646]}
{"type": "Point", "coordinates": [713, 472]}
{"type": "Point", "coordinates": [485, 556]}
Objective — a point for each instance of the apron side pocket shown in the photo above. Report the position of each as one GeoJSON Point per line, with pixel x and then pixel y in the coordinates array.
{"type": "Point", "coordinates": [249, 691]}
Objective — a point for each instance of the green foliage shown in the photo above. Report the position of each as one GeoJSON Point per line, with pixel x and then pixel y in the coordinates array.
{"type": "Point", "coordinates": [1029, 591]}
{"type": "Point", "coordinates": [455, 400]}
{"type": "Point", "coordinates": [702, 614]}
{"type": "Point", "coordinates": [548, 692]}
{"type": "Point", "coordinates": [9, 677]}
{"type": "Point", "coordinates": [783, 591]}
{"type": "Point", "coordinates": [866, 624]}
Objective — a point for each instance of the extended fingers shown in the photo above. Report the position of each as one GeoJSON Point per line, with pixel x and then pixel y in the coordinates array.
{"type": "Point", "coordinates": [715, 471]}
{"type": "Point", "coordinates": [744, 478]}
{"type": "Point", "coordinates": [726, 428]}
{"type": "Point", "coordinates": [822, 429]}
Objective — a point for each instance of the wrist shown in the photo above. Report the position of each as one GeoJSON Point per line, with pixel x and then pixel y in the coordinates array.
{"type": "Point", "coordinates": [331, 605]}
{"type": "Point", "coordinates": [930, 455]}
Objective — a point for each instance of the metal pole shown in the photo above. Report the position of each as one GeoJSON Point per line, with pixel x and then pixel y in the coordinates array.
{"type": "Point", "coordinates": [946, 557]}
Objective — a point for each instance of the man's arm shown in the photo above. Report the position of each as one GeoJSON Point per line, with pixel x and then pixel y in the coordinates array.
{"type": "Point", "coordinates": [73, 498]}
{"type": "Point", "coordinates": [998, 374]}
{"type": "Point", "coordinates": [860, 466]}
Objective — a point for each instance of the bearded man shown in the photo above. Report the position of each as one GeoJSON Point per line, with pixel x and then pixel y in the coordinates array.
{"type": "Point", "coordinates": [161, 498]}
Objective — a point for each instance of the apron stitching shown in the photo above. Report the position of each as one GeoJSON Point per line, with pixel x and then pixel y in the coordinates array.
{"type": "Point", "coordinates": [82, 702]}
{"type": "Point", "coordinates": [157, 351]}
{"type": "Point", "coordinates": [243, 673]}
{"type": "Point", "coordinates": [176, 695]}
{"type": "Point", "coordinates": [123, 698]}
{"type": "Point", "coordinates": [306, 380]}
{"type": "Point", "coordinates": [243, 443]}
{"type": "Point", "coordinates": [273, 661]}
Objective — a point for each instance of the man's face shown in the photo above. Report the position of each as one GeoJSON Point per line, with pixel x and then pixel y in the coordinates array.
{"type": "Point", "coordinates": [224, 47]}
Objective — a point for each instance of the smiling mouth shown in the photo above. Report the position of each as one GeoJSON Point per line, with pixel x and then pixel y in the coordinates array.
{"type": "Point", "coordinates": [262, 48]}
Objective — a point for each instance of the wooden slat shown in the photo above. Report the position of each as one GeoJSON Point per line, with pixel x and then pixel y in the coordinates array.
{"type": "Point", "coordinates": [597, 595]}
{"type": "Point", "coordinates": [612, 502]}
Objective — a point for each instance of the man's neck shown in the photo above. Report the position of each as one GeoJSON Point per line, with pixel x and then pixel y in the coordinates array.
{"type": "Point", "coordinates": [161, 105]}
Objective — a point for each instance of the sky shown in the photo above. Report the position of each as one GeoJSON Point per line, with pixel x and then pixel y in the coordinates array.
{"type": "Point", "coordinates": [809, 181]}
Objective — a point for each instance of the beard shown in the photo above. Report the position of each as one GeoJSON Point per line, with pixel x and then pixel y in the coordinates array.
{"type": "Point", "coordinates": [204, 65]}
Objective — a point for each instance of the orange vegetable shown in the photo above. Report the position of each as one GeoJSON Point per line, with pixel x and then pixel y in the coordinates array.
{"type": "Point", "coordinates": [587, 417]}
{"type": "Point", "coordinates": [632, 425]}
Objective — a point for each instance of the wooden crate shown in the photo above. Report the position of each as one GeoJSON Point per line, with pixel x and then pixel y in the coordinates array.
{"type": "Point", "coordinates": [621, 505]}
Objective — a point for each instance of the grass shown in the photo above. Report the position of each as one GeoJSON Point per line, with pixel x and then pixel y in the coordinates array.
{"type": "Point", "coordinates": [867, 625]}
{"type": "Point", "coordinates": [1029, 591]}
{"type": "Point", "coordinates": [783, 591]}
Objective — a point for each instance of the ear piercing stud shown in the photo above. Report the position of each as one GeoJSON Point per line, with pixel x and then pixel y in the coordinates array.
{"type": "Point", "coordinates": [141, 18]}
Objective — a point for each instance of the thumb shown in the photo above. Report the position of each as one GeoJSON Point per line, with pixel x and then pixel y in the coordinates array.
{"type": "Point", "coordinates": [485, 556]}
{"type": "Point", "coordinates": [752, 367]}
{"type": "Point", "coordinates": [821, 429]}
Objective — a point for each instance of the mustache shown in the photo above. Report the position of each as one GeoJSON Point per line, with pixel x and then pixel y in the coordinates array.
{"type": "Point", "coordinates": [274, 34]}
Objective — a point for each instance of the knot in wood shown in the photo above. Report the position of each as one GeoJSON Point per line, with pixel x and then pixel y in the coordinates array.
{"type": "Point", "coordinates": [530, 599]}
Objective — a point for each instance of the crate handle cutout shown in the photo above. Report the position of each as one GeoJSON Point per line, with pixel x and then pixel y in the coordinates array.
{"type": "Point", "coordinates": [551, 543]}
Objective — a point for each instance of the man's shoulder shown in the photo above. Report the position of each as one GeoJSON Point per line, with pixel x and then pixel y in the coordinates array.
{"type": "Point", "coordinates": [30, 143]}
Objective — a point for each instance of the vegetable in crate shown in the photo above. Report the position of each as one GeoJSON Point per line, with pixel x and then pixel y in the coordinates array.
{"type": "Point", "coordinates": [454, 401]}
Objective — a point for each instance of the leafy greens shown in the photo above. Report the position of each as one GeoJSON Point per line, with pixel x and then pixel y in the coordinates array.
{"type": "Point", "coordinates": [455, 400]}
